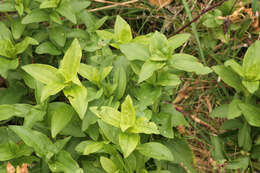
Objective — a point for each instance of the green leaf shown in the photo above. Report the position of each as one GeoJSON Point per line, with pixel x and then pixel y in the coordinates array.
{"type": "Point", "coordinates": [6, 65]}
{"type": "Point", "coordinates": [244, 137]}
{"type": "Point", "coordinates": [44, 73]}
{"type": "Point", "coordinates": [65, 10]}
{"type": "Point", "coordinates": [235, 67]}
{"type": "Point", "coordinates": [7, 7]}
{"type": "Point", "coordinates": [93, 147]}
{"type": "Point", "coordinates": [218, 151]}
{"type": "Point", "coordinates": [143, 125]}
{"type": "Point", "coordinates": [158, 42]}
{"type": "Point", "coordinates": [181, 152]}
{"type": "Point", "coordinates": [71, 61]}
{"type": "Point", "coordinates": [122, 30]}
{"type": "Point", "coordinates": [60, 118]}
{"type": "Point", "coordinates": [49, 4]}
{"type": "Point", "coordinates": [108, 165]}
{"type": "Point", "coordinates": [240, 163]}
{"type": "Point", "coordinates": [120, 79]}
{"type": "Point", "coordinates": [22, 46]}
{"type": "Point", "coordinates": [38, 141]}
{"type": "Point", "coordinates": [251, 86]}
{"type": "Point", "coordinates": [164, 122]}
{"type": "Point", "coordinates": [148, 68]}
{"type": "Point", "coordinates": [65, 163]}
{"type": "Point", "coordinates": [78, 98]}
{"type": "Point", "coordinates": [188, 63]}
{"type": "Point", "coordinates": [47, 48]}
{"type": "Point", "coordinates": [110, 132]}
{"type": "Point", "coordinates": [127, 114]}
{"type": "Point", "coordinates": [105, 72]}
{"type": "Point", "coordinates": [35, 16]}
{"type": "Point", "coordinates": [89, 72]}
{"type": "Point", "coordinates": [251, 62]}
{"type": "Point", "coordinates": [17, 28]}
{"type": "Point", "coordinates": [8, 111]}
{"type": "Point", "coordinates": [167, 79]}
{"type": "Point", "coordinates": [233, 109]}
{"type": "Point", "coordinates": [177, 40]}
{"type": "Point", "coordinates": [251, 113]}
{"type": "Point", "coordinates": [58, 36]}
{"type": "Point", "coordinates": [155, 150]}
{"type": "Point", "coordinates": [7, 49]}
{"type": "Point", "coordinates": [229, 77]}
{"type": "Point", "coordinates": [109, 115]}
{"type": "Point", "coordinates": [128, 142]}
{"type": "Point", "coordinates": [220, 111]}
{"type": "Point", "coordinates": [34, 115]}
{"type": "Point", "coordinates": [79, 5]}
{"type": "Point", "coordinates": [51, 89]}
{"type": "Point", "coordinates": [5, 33]}
{"type": "Point", "coordinates": [135, 51]}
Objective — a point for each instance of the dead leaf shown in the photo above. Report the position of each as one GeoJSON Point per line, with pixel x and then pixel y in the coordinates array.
{"type": "Point", "coordinates": [160, 3]}
{"type": "Point", "coordinates": [183, 93]}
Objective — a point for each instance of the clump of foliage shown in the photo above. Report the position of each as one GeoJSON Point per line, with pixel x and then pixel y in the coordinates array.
{"type": "Point", "coordinates": [80, 99]}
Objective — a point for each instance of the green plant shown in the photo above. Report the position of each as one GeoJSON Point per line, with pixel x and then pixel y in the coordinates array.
{"type": "Point", "coordinates": [242, 113]}
{"type": "Point", "coordinates": [114, 112]}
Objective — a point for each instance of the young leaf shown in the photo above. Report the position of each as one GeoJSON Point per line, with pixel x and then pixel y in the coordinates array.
{"type": "Point", "coordinates": [110, 116]}
{"type": "Point", "coordinates": [49, 4]}
{"type": "Point", "coordinates": [127, 114]}
{"type": "Point", "coordinates": [128, 142]}
{"type": "Point", "coordinates": [235, 66]}
{"type": "Point", "coordinates": [122, 30]}
{"type": "Point", "coordinates": [51, 89]}
{"type": "Point", "coordinates": [34, 115]}
{"type": "Point", "coordinates": [108, 165]}
{"type": "Point", "coordinates": [120, 79]}
{"type": "Point", "coordinates": [105, 72]}
{"type": "Point", "coordinates": [251, 86]}
{"type": "Point", "coordinates": [155, 150]}
{"type": "Point", "coordinates": [60, 118]}
{"type": "Point", "coordinates": [8, 111]}
{"type": "Point", "coordinates": [142, 125]}
{"type": "Point", "coordinates": [93, 147]}
{"type": "Point", "coordinates": [71, 61]}
{"type": "Point", "coordinates": [44, 73]}
{"type": "Point", "coordinates": [233, 109]}
{"type": "Point", "coordinates": [77, 96]}
{"type": "Point", "coordinates": [89, 72]}
{"type": "Point", "coordinates": [7, 49]}
{"type": "Point", "coordinates": [6, 65]}
{"type": "Point", "coordinates": [148, 68]}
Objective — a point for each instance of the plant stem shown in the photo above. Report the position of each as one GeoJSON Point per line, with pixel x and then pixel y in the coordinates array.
{"type": "Point", "coordinates": [194, 30]}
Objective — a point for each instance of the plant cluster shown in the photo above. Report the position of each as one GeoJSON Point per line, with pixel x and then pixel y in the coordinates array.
{"type": "Point", "coordinates": [80, 98]}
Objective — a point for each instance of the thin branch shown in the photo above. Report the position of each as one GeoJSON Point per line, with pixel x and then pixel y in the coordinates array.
{"type": "Point", "coordinates": [113, 5]}
{"type": "Point", "coordinates": [197, 17]}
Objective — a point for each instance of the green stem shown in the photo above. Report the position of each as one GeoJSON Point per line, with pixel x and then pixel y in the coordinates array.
{"type": "Point", "coordinates": [194, 30]}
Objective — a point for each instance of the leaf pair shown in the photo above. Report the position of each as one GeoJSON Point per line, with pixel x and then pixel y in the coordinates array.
{"type": "Point", "coordinates": [65, 78]}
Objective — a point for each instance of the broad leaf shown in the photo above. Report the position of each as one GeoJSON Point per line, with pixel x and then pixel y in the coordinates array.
{"type": "Point", "coordinates": [127, 114]}
{"type": "Point", "coordinates": [251, 86]}
{"type": "Point", "coordinates": [135, 51]}
{"type": "Point", "coordinates": [155, 150]}
{"type": "Point", "coordinates": [35, 16]}
{"type": "Point", "coordinates": [17, 28]}
{"type": "Point", "coordinates": [22, 46]}
{"type": "Point", "coordinates": [188, 63]}
{"type": "Point", "coordinates": [8, 111]}
{"type": "Point", "coordinates": [122, 30]}
{"type": "Point", "coordinates": [177, 40]}
{"type": "Point", "coordinates": [60, 118]}
{"type": "Point", "coordinates": [65, 10]}
{"type": "Point", "coordinates": [6, 65]}
{"type": "Point", "coordinates": [89, 72]}
{"type": "Point", "coordinates": [143, 125]}
{"type": "Point", "coordinates": [147, 70]}
{"type": "Point", "coordinates": [78, 98]}
{"type": "Point", "coordinates": [50, 89]}
{"type": "Point", "coordinates": [235, 67]}
{"type": "Point", "coordinates": [108, 165]}
{"type": "Point", "coordinates": [251, 113]}
{"type": "Point", "coordinates": [47, 48]}
{"type": "Point", "coordinates": [58, 36]}
{"type": "Point", "coordinates": [44, 73]}
{"type": "Point", "coordinates": [244, 137]}
{"type": "Point", "coordinates": [7, 49]}
{"type": "Point", "coordinates": [128, 142]}
{"type": "Point", "coordinates": [71, 61]}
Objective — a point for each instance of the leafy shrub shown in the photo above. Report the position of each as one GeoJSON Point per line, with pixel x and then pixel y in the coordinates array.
{"type": "Point", "coordinates": [103, 106]}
